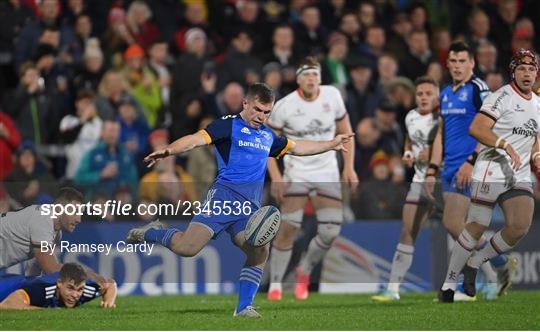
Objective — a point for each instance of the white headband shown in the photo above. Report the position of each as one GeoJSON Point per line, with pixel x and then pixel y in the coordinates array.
{"type": "Point", "coordinates": [308, 69]}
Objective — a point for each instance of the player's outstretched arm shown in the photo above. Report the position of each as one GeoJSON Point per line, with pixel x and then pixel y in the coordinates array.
{"type": "Point", "coordinates": [181, 145]}
{"type": "Point", "coordinates": [109, 292]}
{"type": "Point", "coordinates": [481, 130]}
{"type": "Point", "coordinates": [17, 301]}
{"type": "Point", "coordinates": [309, 148]}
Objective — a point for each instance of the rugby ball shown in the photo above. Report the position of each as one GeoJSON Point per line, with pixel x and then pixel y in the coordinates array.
{"type": "Point", "coordinates": [262, 226]}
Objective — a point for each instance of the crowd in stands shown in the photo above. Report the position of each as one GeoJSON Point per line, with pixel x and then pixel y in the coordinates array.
{"type": "Point", "coordinates": [88, 88]}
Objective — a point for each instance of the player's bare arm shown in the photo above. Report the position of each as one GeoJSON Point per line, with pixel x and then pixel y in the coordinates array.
{"type": "Point", "coordinates": [277, 188]}
{"type": "Point", "coordinates": [349, 176]}
{"type": "Point", "coordinates": [181, 145]}
{"type": "Point", "coordinates": [535, 154]}
{"type": "Point", "coordinates": [408, 158]}
{"type": "Point", "coordinates": [109, 292]}
{"type": "Point", "coordinates": [48, 263]}
{"type": "Point", "coordinates": [309, 148]}
{"type": "Point", "coordinates": [481, 129]}
{"type": "Point", "coordinates": [17, 301]}
{"type": "Point", "coordinates": [435, 160]}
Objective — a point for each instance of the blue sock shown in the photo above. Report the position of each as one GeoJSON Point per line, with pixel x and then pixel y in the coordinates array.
{"type": "Point", "coordinates": [250, 278]}
{"type": "Point", "coordinates": [498, 261]}
{"type": "Point", "coordinates": [161, 236]}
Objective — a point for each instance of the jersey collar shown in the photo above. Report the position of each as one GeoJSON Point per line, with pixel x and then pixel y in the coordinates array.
{"type": "Point", "coordinates": [516, 89]}
{"type": "Point", "coordinates": [456, 87]}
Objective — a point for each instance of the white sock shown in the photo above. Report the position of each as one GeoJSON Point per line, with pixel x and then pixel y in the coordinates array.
{"type": "Point", "coordinates": [460, 254]}
{"type": "Point", "coordinates": [496, 246]}
{"type": "Point", "coordinates": [400, 265]}
{"type": "Point", "coordinates": [279, 260]}
{"type": "Point", "coordinates": [315, 253]}
{"type": "Point", "coordinates": [489, 273]}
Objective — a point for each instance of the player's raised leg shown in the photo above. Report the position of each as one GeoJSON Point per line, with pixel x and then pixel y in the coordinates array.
{"type": "Point", "coordinates": [329, 213]}
{"type": "Point", "coordinates": [250, 276]}
{"type": "Point", "coordinates": [292, 211]}
{"type": "Point", "coordinates": [185, 244]}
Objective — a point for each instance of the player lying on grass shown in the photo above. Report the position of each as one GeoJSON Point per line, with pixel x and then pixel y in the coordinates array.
{"type": "Point", "coordinates": [507, 126]}
{"type": "Point", "coordinates": [24, 231]}
{"type": "Point", "coordinates": [243, 144]}
{"type": "Point", "coordinates": [68, 288]}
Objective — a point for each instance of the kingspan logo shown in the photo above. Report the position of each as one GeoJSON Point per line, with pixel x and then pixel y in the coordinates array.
{"type": "Point", "coordinates": [529, 128]}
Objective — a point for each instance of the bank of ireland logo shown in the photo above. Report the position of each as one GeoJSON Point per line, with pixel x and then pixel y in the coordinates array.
{"type": "Point", "coordinates": [245, 130]}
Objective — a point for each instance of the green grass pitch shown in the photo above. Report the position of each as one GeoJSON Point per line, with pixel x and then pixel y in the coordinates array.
{"type": "Point", "coordinates": [515, 311]}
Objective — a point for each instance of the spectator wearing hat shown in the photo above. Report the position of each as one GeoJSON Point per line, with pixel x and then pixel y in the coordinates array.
{"type": "Point", "coordinates": [363, 96]}
{"type": "Point", "coordinates": [88, 76]}
{"type": "Point", "coordinates": [417, 59]}
{"type": "Point", "coordinates": [239, 62]}
{"type": "Point", "coordinates": [134, 130]}
{"type": "Point", "coordinates": [30, 182]}
{"type": "Point", "coordinates": [401, 93]}
{"type": "Point", "coordinates": [378, 198]}
{"type": "Point", "coordinates": [385, 121]}
{"type": "Point", "coordinates": [117, 37]}
{"type": "Point", "coordinates": [142, 84]}
{"type": "Point", "coordinates": [9, 141]}
{"type": "Point", "coordinates": [191, 69]}
{"type": "Point", "coordinates": [31, 108]}
{"type": "Point", "coordinates": [333, 67]}
{"type": "Point", "coordinates": [166, 182]}
{"type": "Point", "coordinates": [108, 165]}
{"type": "Point", "coordinates": [80, 132]}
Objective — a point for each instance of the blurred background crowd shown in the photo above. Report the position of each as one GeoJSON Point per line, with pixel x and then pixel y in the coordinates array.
{"type": "Point", "coordinates": [88, 88]}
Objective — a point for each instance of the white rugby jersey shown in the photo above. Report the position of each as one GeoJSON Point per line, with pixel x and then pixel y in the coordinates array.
{"type": "Point", "coordinates": [421, 130]}
{"type": "Point", "coordinates": [516, 121]}
{"type": "Point", "coordinates": [315, 120]}
{"type": "Point", "coordinates": [20, 231]}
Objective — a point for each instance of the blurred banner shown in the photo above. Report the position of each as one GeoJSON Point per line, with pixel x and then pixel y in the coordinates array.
{"type": "Point", "coordinates": [359, 261]}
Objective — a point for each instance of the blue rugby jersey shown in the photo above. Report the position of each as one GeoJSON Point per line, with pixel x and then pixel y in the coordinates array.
{"type": "Point", "coordinates": [41, 291]}
{"type": "Point", "coordinates": [242, 154]}
{"type": "Point", "coordinates": [458, 109]}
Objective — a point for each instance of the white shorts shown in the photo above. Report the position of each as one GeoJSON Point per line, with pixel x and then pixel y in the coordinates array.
{"type": "Point", "coordinates": [492, 185]}
{"type": "Point", "coordinates": [324, 183]}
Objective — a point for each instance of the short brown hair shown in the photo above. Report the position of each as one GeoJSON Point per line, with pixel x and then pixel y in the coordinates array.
{"type": "Point", "coordinates": [68, 194]}
{"type": "Point", "coordinates": [426, 79]}
{"type": "Point", "coordinates": [261, 91]}
{"type": "Point", "coordinates": [309, 61]}
{"type": "Point", "coordinates": [73, 271]}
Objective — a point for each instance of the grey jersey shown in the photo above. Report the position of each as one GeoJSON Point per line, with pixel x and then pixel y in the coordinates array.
{"type": "Point", "coordinates": [21, 231]}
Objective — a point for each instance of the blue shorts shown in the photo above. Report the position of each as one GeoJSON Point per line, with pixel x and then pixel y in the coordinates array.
{"type": "Point", "coordinates": [10, 283]}
{"type": "Point", "coordinates": [226, 210]}
{"type": "Point", "coordinates": [449, 185]}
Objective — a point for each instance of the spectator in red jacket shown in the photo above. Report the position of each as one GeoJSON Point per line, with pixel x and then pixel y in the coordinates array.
{"type": "Point", "coordinates": [9, 140]}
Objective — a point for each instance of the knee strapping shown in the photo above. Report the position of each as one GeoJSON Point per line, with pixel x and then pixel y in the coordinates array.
{"type": "Point", "coordinates": [293, 218]}
{"type": "Point", "coordinates": [328, 232]}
